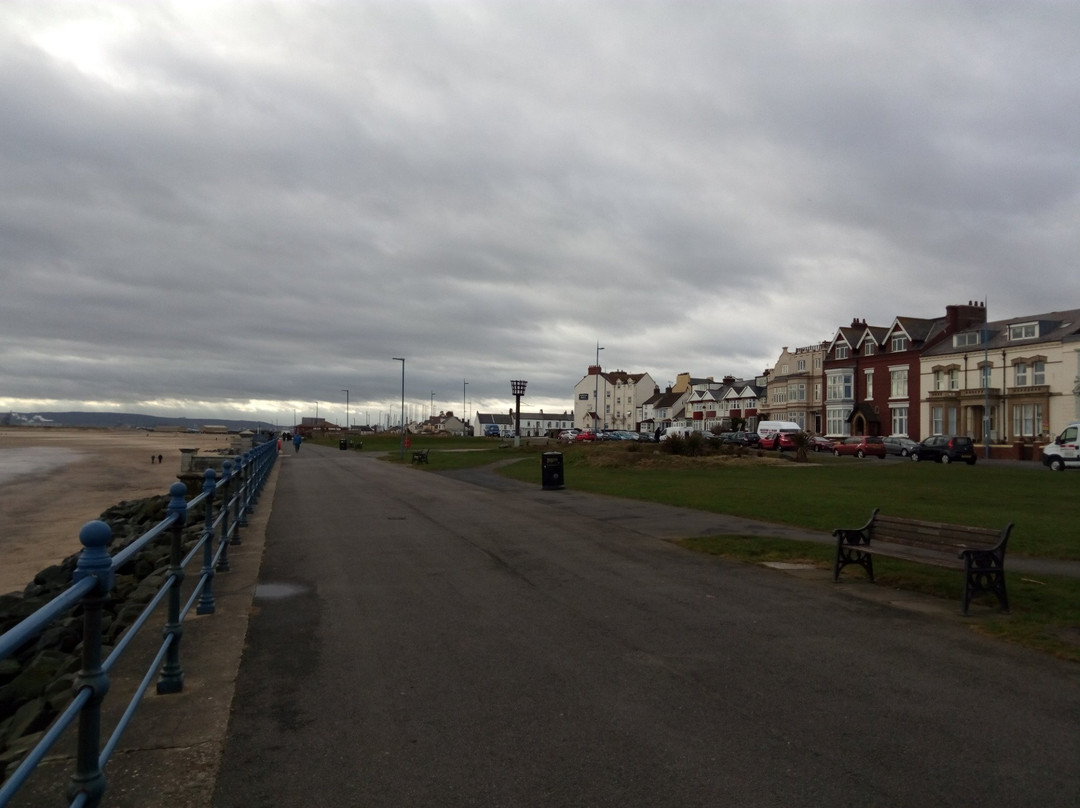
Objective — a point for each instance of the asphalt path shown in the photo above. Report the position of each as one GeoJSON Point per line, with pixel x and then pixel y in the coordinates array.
{"type": "Point", "coordinates": [424, 640]}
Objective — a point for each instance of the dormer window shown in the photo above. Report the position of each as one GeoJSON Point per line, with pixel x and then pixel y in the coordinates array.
{"type": "Point", "coordinates": [841, 352]}
{"type": "Point", "coordinates": [1023, 331]}
{"type": "Point", "coordinates": [899, 342]}
{"type": "Point", "coordinates": [868, 349]}
{"type": "Point", "coordinates": [964, 340]}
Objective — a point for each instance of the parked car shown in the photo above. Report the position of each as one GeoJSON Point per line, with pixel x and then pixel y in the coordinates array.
{"type": "Point", "coordinates": [897, 445]}
{"type": "Point", "coordinates": [742, 438]}
{"type": "Point", "coordinates": [568, 435]}
{"type": "Point", "coordinates": [945, 449]}
{"type": "Point", "coordinates": [777, 434]}
{"type": "Point", "coordinates": [860, 446]}
{"type": "Point", "coordinates": [585, 435]}
{"type": "Point", "coordinates": [819, 443]}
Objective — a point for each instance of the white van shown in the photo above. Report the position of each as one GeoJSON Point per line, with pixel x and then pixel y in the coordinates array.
{"type": "Point", "coordinates": [676, 432]}
{"type": "Point", "coordinates": [770, 432]}
{"type": "Point", "coordinates": [1064, 452]}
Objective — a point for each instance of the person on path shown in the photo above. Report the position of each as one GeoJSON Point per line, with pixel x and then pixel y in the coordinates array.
{"type": "Point", "coordinates": [296, 439]}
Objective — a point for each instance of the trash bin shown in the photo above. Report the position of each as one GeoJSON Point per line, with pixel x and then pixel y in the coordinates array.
{"type": "Point", "coordinates": [551, 471]}
{"type": "Point", "coordinates": [343, 444]}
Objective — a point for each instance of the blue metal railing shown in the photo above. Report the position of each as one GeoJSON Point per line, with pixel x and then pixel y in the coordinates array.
{"type": "Point", "coordinates": [239, 484]}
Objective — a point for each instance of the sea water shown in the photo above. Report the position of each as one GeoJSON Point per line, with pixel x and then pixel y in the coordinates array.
{"type": "Point", "coordinates": [22, 461]}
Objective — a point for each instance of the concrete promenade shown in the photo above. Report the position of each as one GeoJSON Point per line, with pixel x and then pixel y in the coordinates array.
{"type": "Point", "coordinates": [420, 640]}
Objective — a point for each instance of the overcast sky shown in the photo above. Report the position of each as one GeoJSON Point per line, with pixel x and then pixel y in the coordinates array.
{"type": "Point", "coordinates": [241, 209]}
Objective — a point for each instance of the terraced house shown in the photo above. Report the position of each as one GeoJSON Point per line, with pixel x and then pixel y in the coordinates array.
{"type": "Point", "coordinates": [1014, 383]}
{"type": "Point", "coordinates": [872, 374]}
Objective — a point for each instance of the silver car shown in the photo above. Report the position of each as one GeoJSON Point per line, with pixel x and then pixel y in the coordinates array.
{"type": "Point", "coordinates": [896, 445]}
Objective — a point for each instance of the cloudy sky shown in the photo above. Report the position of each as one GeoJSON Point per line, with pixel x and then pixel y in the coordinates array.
{"type": "Point", "coordinates": [240, 209]}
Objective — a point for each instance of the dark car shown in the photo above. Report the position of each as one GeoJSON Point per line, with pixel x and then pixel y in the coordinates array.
{"type": "Point", "coordinates": [820, 444]}
{"type": "Point", "coordinates": [945, 449]}
{"type": "Point", "coordinates": [897, 445]}
{"type": "Point", "coordinates": [860, 446]}
{"type": "Point", "coordinates": [742, 438]}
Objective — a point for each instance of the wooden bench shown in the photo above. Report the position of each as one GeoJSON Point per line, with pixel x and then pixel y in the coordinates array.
{"type": "Point", "coordinates": [420, 456]}
{"type": "Point", "coordinates": [978, 551]}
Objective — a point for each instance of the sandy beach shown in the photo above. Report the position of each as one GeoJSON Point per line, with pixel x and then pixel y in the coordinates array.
{"type": "Point", "coordinates": [52, 481]}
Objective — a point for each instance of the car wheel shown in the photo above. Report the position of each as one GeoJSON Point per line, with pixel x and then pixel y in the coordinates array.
{"type": "Point", "coordinates": [860, 454]}
{"type": "Point", "coordinates": [1057, 464]}
{"type": "Point", "coordinates": [836, 452]}
{"type": "Point", "coordinates": [945, 460]}
{"type": "Point", "coordinates": [915, 457]}
{"type": "Point", "coordinates": [904, 452]}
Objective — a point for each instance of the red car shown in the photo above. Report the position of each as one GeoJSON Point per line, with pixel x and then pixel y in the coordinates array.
{"type": "Point", "coordinates": [860, 446]}
{"type": "Point", "coordinates": [585, 435]}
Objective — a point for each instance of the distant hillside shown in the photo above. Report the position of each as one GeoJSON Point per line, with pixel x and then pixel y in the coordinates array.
{"type": "Point", "coordinates": [121, 420]}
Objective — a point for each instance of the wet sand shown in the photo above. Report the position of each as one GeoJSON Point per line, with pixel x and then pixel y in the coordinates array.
{"type": "Point", "coordinates": [74, 476]}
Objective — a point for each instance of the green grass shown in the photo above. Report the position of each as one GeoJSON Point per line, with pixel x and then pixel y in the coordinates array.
{"type": "Point", "coordinates": [1045, 610]}
{"type": "Point", "coordinates": [829, 492]}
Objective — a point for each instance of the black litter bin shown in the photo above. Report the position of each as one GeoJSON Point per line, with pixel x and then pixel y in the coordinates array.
{"type": "Point", "coordinates": [551, 470]}
{"type": "Point", "coordinates": [343, 444]}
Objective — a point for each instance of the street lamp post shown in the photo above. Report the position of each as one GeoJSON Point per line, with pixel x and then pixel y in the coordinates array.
{"type": "Point", "coordinates": [464, 384]}
{"type": "Point", "coordinates": [596, 393]}
{"type": "Point", "coordinates": [346, 392]}
{"type": "Point", "coordinates": [518, 389]}
{"type": "Point", "coordinates": [401, 359]}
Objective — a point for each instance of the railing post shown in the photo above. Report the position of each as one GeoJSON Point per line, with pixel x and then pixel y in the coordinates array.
{"type": "Point", "coordinates": [223, 542]}
{"type": "Point", "coordinates": [241, 490]}
{"type": "Point", "coordinates": [94, 561]}
{"type": "Point", "coordinates": [172, 675]}
{"type": "Point", "coordinates": [250, 487]}
{"type": "Point", "coordinates": [251, 462]}
{"type": "Point", "coordinates": [206, 599]}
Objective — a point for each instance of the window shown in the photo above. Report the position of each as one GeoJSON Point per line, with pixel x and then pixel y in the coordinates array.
{"type": "Point", "coordinates": [899, 342]}
{"type": "Point", "coordinates": [817, 392]}
{"type": "Point", "coordinates": [800, 365]}
{"type": "Point", "coordinates": [783, 370]}
{"type": "Point", "coordinates": [796, 392]}
{"type": "Point", "coordinates": [817, 363]}
{"type": "Point", "coordinates": [869, 385]}
{"type": "Point", "coordinates": [1020, 374]}
{"type": "Point", "coordinates": [939, 380]}
{"type": "Point", "coordinates": [868, 349]}
{"type": "Point", "coordinates": [835, 421]}
{"type": "Point", "coordinates": [935, 420]}
{"type": "Point", "coordinates": [840, 387]}
{"type": "Point", "coordinates": [984, 376]}
{"type": "Point", "coordinates": [1038, 373]}
{"type": "Point", "coordinates": [1027, 420]}
{"type": "Point", "coordinates": [898, 383]}
{"type": "Point", "coordinates": [954, 379]}
{"type": "Point", "coordinates": [841, 352]}
{"type": "Point", "coordinates": [899, 420]}
{"type": "Point", "coordinates": [964, 340]}
{"type": "Point", "coordinates": [1023, 331]}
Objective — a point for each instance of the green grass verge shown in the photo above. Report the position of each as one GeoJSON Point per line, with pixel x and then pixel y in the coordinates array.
{"type": "Point", "coordinates": [1045, 610]}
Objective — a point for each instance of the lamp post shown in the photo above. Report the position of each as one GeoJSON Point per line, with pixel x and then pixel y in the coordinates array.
{"type": "Point", "coordinates": [346, 392]}
{"type": "Point", "coordinates": [518, 389]}
{"type": "Point", "coordinates": [401, 359]}
{"type": "Point", "coordinates": [596, 393]}
{"type": "Point", "coordinates": [464, 384]}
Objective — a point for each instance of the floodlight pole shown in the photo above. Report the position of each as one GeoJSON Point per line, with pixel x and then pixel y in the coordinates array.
{"type": "Point", "coordinates": [518, 389]}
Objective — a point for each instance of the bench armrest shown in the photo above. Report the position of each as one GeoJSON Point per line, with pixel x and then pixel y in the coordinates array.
{"type": "Point", "coordinates": [856, 535]}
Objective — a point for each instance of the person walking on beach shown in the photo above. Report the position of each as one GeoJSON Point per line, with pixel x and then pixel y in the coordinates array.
{"type": "Point", "coordinates": [296, 439]}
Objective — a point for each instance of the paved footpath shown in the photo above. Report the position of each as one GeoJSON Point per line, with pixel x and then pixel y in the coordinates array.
{"type": "Point", "coordinates": [421, 640]}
